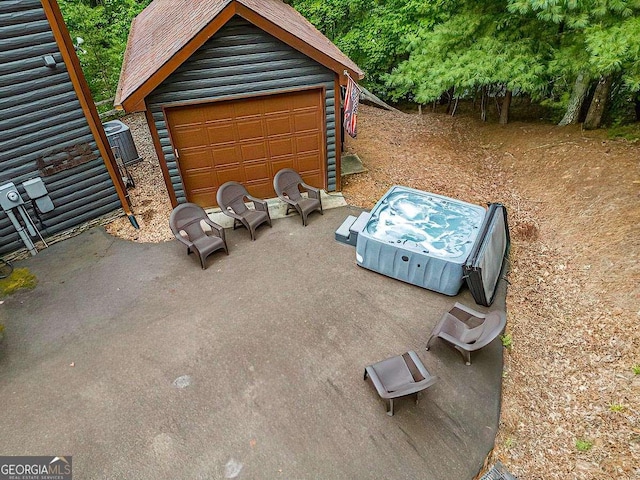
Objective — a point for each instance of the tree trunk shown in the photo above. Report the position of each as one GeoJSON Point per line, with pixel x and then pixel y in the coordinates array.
{"type": "Point", "coordinates": [506, 103]}
{"type": "Point", "coordinates": [483, 105]}
{"type": "Point", "coordinates": [450, 93]}
{"type": "Point", "coordinates": [455, 107]}
{"type": "Point", "coordinates": [598, 104]}
{"type": "Point", "coordinates": [579, 93]}
{"type": "Point", "coordinates": [638, 107]}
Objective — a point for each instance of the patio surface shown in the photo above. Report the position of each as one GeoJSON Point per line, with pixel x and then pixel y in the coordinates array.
{"type": "Point", "coordinates": [273, 338]}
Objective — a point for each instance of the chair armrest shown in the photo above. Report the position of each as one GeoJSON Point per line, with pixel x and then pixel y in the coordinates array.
{"type": "Point", "coordinates": [436, 330]}
{"type": "Point", "coordinates": [216, 228]}
{"type": "Point", "coordinates": [259, 203]}
{"type": "Point", "coordinates": [456, 341]}
{"type": "Point", "coordinates": [376, 382]}
{"type": "Point", "coordinates": [470, 311]}
{"type": "Point", "coordinates": [183, 240]}
{"type": "Point", "coordinates": [413, 388]}
{"type": "Point", "coordinates": [313, 191]}
{"type": "Point", "coordinates": [229, 213]}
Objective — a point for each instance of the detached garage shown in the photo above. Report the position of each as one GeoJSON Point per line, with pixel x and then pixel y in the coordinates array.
{"type": "Point", "coordinates": [235, 90]}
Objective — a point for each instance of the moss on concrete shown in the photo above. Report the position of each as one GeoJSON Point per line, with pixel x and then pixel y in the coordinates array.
{"type": "Point", "coordinates": [20, 279]}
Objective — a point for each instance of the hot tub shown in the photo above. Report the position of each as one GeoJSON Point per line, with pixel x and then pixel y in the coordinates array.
{"type": "Point", "coordinates": [420, 238]}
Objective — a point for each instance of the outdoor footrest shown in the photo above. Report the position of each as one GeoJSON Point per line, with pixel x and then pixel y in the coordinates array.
{"type": "Point", "coordinates": [399, 376]}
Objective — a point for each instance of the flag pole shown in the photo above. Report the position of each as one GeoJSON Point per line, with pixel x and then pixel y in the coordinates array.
{"type": "Point", "coordinates": [354, 82]}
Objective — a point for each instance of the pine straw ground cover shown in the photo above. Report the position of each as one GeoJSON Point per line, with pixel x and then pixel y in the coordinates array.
{"type": "Point", "coordinates": [572, 377]}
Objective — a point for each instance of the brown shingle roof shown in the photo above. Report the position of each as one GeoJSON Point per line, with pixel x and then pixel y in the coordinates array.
{"type": "Point", "coordinates": [167, 32]}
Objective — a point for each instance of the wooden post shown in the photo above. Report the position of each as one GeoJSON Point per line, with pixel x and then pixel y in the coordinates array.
{"type": "Point", "coordinates": [65, 44]}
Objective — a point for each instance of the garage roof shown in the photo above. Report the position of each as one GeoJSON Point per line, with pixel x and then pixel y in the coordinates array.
{"type": "Point", "coordinates": [168, 32]}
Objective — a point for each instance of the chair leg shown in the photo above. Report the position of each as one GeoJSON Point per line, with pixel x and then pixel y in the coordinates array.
{"type": "Point", "coordinates": [417, 397]}
{"type": "Point", "coordinates": [202, 262]}
{"type": "Point", "coordinates": [366, 374]}
{"type": "Point", "coordinates": [429, 342]}
{"type": "Point", "coordinates": [390, 407]}
{"type": "Point", "coordinates": [467, 358]}
{"type": "Point", "coordinates": [465, 355]}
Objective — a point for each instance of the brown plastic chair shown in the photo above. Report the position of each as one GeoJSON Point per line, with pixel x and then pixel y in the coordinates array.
{"type": "Point", "coordinates": [468, 330]}
{"type": "Point", "coordinates": [185, 222]}
{"type": "Point", "coordinates": [287, 183]}
{"type": "Point", "coordinates": [398, 377]}
{"type": "Point", "coordinates": [230, 199]}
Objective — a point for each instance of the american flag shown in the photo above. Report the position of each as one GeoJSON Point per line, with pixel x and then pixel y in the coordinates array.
{"type": "Point", "coordinates": [351, 100]}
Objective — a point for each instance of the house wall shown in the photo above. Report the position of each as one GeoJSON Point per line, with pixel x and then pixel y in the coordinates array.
{"type": "Point", "coordinates": [241, 59]}
{"type": "Point", "coordinates": [39, 117]}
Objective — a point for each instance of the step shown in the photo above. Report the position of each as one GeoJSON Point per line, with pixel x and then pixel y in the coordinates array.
{"type": "Point", "coordinates": [343, 233]}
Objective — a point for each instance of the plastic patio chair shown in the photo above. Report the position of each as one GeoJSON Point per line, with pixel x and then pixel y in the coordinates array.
{"type": "Point", "coordinates": [186, 224]}
{"type": "Point", "coordinates": [287, 183]}
{"type": "Point", "coordinates": [468, 330]}
{"type": "Point", "coordinates": [231, 197]}
{"type": "Point", "coordinates": [398, 377]}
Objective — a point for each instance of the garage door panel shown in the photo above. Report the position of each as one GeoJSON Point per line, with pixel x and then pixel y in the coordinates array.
{"type": "Point", "coordinates": [250, 129]}
{"type": "Point", "coordinates": [277, 104]}
{"type": "Point", "coordinates": [307, 163]}
{"type": "Point", "coordinates": [191, 116]}
{"type": "Point", "coordinates": [221, 133]}
{"type": "Point", "coordinates": [256, 171]}
{"type": "Point", "coordinates": [306, 121]}
{"type": "Point", "coordinates": [248, 141]}
{"type": "Point", "coordinates": [279, 164]}
{"type": "Point", "coordinates": [278, 125]}
{"type": "Point", "coordinates": [254, 151]}
{"type": "Point", "coordinates": [248, 109]}
{"type": "Point", "coordinates": [195, 158]}
{"type": "Point", "coordinates": [226, 155]}
{"type": "Point", "coordinates": [230, 174]}
{"type": "Point", "coordinates": [189, 137]}
{"type": "Point", "coordinates": [305, 99]}
{"type": "Point", "coordinates": [197, 179]}
{"type": "Point", "coordinates": [281, 146]}
{"type": "Point", "coordinates": [308, 143]}
{"type": "Point", "coordinates": [222, 111]}
{"type": "Point", "coordinates": [204, 198]}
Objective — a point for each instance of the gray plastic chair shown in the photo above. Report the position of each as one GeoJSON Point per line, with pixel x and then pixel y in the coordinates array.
{"type": "Point", "coordinates": [185, 223]}
{"type": "Point", "coordinates": [398, 377]}
{"type": "Point", "coordinates": [231, 197]}
{"type": "Point", "coordinates": [468, 330]}
{"type": "Point", "coordinates": [287, 184]}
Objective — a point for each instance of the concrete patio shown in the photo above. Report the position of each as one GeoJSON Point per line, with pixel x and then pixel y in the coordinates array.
{"type": "Point", "coordinates": [249, 369]}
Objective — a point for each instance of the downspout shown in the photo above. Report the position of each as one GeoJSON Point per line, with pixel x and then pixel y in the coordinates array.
{"type": "Point", "coordinates": [81, 87]}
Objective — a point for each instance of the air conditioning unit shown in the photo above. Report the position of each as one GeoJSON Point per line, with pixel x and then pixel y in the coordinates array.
{"type": "Point", "coordinates": [120, 138]}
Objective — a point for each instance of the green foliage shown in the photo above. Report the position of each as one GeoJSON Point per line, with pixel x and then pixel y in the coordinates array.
{"type": "Point", "coordinates": [617, 407]}
{"type": "Point", "coordinates": [20, 279]}
{"type": "Point", "coordinates": [630, 133]}
{"type": "Point", "coordinates": [418, 49]}
{"type": "Point", "coordinates": [636, 369]}
{"type": "Point", "coordinates": [507, 341]}
{"type": "Point", "coordinates": [104, 27]}
{"type": "Point", "coordinates": [372, 32]}
{"type": "Point", "coordinates": [583, 445]}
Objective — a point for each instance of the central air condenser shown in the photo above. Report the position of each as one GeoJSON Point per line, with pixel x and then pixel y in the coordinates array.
{"type": "Point", "coordinates": [121, 140]}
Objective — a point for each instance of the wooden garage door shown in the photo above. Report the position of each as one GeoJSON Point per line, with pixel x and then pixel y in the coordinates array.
{"type": "Point", "coordinates": [248, 141]}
